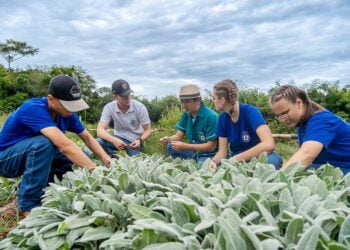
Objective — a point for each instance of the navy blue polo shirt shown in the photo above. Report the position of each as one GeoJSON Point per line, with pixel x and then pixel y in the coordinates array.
{"type": "Point", "coordinates": [334, 134]}
{"type": "Point", "coordinates": [241, 135]}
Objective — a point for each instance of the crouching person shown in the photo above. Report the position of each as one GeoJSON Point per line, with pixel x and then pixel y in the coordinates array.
{"type": "Point", "coordinates": [132, 125]}
{"type": "Point", "coordinates": [33, 143]}
{"type": "Point", "coordinates": [198, 123]}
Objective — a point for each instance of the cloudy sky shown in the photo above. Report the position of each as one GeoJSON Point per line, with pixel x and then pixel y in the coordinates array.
{"type": "Point", "coordinates": [158, 46]}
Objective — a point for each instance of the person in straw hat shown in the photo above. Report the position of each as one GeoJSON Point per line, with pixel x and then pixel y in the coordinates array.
{"type": "Point", "coordinates": [198, 123]}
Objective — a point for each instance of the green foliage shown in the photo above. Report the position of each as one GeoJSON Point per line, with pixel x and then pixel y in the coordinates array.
{"type": "Point", "coordinates": [148, 202]}
{"type": "Point", "coordinates": [13, 50]}
{"type": "Point", "coordinates": [7, 189]}
{"type": "Point", "coordinates": [331, 96]}
{"type": "Point", "coordinates": [158, 106]}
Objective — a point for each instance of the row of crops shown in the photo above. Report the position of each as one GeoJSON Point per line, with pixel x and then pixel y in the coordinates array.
{"type": "Point", "coordinates": [148, 202]}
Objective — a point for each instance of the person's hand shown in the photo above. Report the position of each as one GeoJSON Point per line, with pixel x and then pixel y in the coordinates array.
{"type": "Point", "coordinates": [178, 145]}
{"type": "Point", "coordinates": [119, 144]}
{"type": "Point", "coordinates": [164, 140]}
{"type": "Point", "coordinates": [135, 144]}
{"type": "Point", "coordinates": [90, 169]}
{"type": "Point", "coordinates": [212, 166]}
{"type": "Point", "coordinates": [106, 161]}
{"type": "Point", "coordinates": [233, 160]}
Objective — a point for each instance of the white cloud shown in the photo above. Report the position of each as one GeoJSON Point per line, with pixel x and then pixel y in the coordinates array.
{"type": "Point", "coordinates": [160, 45]}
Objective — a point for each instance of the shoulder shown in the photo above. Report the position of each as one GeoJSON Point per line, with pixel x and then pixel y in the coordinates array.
{"type": "Point", "coordinates": [324, 117]}
{"type": "Point", "coordinates": [248, 108]}
{"type": "Point", "coordinates": [210, 113]}
{"type": "Point", "coordinates": [109, 107]}
{"type": "Point", "coordinates": [34, 105]}
{"type": "Point", "coordinates": [110, 104]}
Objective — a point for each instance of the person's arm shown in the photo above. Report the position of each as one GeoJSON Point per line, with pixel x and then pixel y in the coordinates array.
{"type": "Point", "coordinates": [102, 132]}
{"type": "Point", "coordinates": [95, 147]}
{"type": "Point", "coordinates": [67, 147]}
{"type": "Point", "coordinates": [223, 150]}
{"type": "Point", "coordinates": [202, 147]}
{"type": "Point", "coordinates": [267, 144]}
{"type": "Point", "coordinates": [179, 136]}
{"type": "Point", "coordinates": [307, 153]}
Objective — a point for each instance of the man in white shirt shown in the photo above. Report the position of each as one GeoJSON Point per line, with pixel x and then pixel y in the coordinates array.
{"type": "Point", "coordinates": [132, 125]}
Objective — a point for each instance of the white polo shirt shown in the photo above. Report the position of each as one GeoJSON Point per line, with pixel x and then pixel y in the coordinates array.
{"type": "Point", "coordinates": [128, 125]}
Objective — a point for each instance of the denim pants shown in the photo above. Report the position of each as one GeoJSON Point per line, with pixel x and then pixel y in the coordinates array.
{"type": "Point", "coordinates": [275, 159]}
{"type": "Point", "coordinates": [38, 160]}
{"type": "Point", "coordinates": [185, 154]}
{"type": "Point", "coordinates": [110, 148]}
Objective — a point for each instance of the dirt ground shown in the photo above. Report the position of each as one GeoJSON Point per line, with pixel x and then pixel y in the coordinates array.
{"type": "Point", "coordinates": [8, 218]}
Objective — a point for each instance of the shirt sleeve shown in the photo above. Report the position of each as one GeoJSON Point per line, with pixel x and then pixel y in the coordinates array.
{"type": "Point", "coordinates": [211, 128]}
{"type": "Point", "coordinates": [106, 116]}
{"type": "Point", "coordinates": [36, 118]}
{"type": "Point", "coordinates": [220, 128]}
{"type": "Point", "coordinates": [75, 124]}
{"type": "Point", "coordinates": [143, 116]}
{"type": "Point", "coordinates": [181, 124]}
{"type": "Point", "coordinates": [254, 117]}
{"type": "Point", "coordinates": [320, 129]}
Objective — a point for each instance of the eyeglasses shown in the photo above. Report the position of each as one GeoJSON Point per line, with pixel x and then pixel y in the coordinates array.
{"type": "Point", "coordinates": [283, 115]}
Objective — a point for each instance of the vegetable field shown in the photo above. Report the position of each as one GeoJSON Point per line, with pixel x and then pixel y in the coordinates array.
{"type": "Point", "coordinates": [148, 202]}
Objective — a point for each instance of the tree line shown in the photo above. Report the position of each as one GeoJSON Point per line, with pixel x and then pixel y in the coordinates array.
{"type": "Point", "coordinates": [17, 85]}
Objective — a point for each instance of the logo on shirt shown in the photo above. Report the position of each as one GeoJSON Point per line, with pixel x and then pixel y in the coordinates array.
{"type": "Point", "coordinates": [201, 136]}
{"type": "Point", "coordinates": [132, 122]}
{"type": "Point", "coordinates": [245, 136]}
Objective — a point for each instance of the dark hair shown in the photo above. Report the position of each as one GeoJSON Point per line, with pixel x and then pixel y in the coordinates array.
{"type": "Point", "coordinates": [228, 90]}
{"type": "Point", "coordinates": [291, 93]}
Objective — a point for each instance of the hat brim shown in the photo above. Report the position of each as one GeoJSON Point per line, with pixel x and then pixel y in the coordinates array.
{"type": "Point", "coordinates": [74, 106]}
{"type": "Point", "coordinates": [125, 93]}
{"type": "Point", "coordinates": [186, 97]}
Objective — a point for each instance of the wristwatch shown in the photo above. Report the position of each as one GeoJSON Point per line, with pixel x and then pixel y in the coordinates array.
{"type": "Point", "coordinates": [141, 141]}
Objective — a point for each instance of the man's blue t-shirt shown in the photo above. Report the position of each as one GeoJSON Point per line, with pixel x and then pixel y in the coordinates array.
{"type": "Point", "coordinates": [241, 135]}
{"type": "Point", "coordinates": [334, 134]}
{"type": "Point", "coordinates": [30, 118]}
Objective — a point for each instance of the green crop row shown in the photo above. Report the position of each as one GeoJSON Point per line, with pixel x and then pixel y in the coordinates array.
{"type": "Point", "coordinates": [148, 202]}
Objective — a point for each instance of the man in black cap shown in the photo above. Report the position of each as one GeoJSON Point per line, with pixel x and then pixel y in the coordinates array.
{"type": "Point", "coordinates": [33, 144]}
{"type": "Point", "coordinates": [132, 125]}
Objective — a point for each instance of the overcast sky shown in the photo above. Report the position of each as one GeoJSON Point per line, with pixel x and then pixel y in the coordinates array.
{"type": "Point", "coordinates": [157, 46]}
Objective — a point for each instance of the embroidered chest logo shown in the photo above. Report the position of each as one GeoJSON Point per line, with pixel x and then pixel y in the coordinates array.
{"type": "Point", "coordinates": [132, 122]}
{"type": "Point", "coordinates": [245, 136]}
{"type": "Point", "coordinates": [201, 136]}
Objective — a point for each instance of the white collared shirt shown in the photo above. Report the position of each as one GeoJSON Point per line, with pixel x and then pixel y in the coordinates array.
{"type": "Point", "coordinates": [128, 125]}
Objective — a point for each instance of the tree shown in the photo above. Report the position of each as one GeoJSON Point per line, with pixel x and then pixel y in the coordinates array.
{"type": "Point", "coordinates": [13, 50]}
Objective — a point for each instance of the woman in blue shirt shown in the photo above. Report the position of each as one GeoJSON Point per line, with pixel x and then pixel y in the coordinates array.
{"type": "Point", "coordinates": [323, 136]}
{"type": "Point", "coordinates": [241, 126]}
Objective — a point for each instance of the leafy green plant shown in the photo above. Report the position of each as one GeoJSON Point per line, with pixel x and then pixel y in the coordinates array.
{"type": "Point", "coordinates": [153, 203]}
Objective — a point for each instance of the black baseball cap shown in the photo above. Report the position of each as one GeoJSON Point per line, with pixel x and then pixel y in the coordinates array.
{"type": "Point", "coordinates": [67, 90]}
{"type": "Point", "coordinates": [121, 87]}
